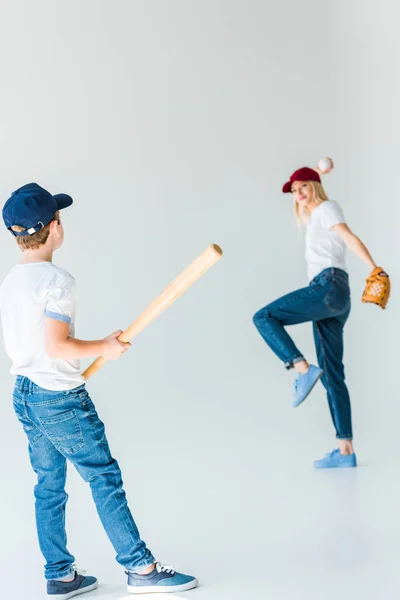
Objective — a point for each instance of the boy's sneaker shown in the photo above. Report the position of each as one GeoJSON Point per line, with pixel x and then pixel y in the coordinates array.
{"type": "Point", "coordinates": [161, 580]}
{"type": "Point", "coordinates": [335, 460]}
{"type": "Point", "coordinates": [62, 590]}
{"type": "Point", "coordinates": [304, 384]}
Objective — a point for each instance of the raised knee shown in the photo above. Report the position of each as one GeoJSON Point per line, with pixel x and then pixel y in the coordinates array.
{"type": "Point", "coordinates": [256, 319]}
{"type": "Point", "coordinates": [262, 316]}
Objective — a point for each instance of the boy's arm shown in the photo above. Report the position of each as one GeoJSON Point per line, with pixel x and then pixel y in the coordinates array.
{"type": "Point", "coordinates": [59, 344]}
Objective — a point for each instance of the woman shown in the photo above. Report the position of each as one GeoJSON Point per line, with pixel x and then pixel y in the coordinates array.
{"type": "Point", "coordinates": [325, 302]}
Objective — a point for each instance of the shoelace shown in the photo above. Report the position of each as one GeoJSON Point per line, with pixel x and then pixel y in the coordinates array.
{"type": "Point", "coordinates": [78, 570]}
{"type": "Point", "coordinates": [160, 568]}
{"type": "Point", "coordinates": [164, 569]}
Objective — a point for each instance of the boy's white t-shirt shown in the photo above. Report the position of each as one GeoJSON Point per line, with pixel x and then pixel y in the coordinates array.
{"type": "Point", "coordinates": [324, 247]}
{"type": "Point", "coordinates": [31, 293]}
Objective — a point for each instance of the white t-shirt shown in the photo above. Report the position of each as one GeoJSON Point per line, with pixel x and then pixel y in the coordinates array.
{"type": "Point", "coordinates": [30, 293]}
{"type": "Point", "coordinates": [324, 247]}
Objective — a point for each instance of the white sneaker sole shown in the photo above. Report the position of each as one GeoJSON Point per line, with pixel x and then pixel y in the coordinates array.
{"type": "Point", "coordinates": [88, 588]}
{"type": "Point", "coordinates": [163, 589]}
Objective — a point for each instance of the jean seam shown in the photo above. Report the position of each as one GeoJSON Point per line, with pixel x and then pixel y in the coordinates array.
{"type": "Point", "coordinates": [323, 356]}
{"type": "Point", "coordinates": [93, 420]}
{"type": "Point", "coordinates": [326, 371]}
{"type": "Point", "coordinates": [64, 505]}
{"type": "Point", "coordinates": [57, 400]}
{"type": "Point", "coordinates": [32, 440]}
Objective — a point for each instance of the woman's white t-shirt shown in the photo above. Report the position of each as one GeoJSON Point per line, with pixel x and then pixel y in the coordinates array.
{"type": "Point", "coordinates": [324, 247]}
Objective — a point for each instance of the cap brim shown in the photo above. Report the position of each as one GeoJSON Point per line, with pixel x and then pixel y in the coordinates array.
{"type": "Point", "coordinates": [287, 188]}
{"type": "Point", "coordinates": [63, 200]}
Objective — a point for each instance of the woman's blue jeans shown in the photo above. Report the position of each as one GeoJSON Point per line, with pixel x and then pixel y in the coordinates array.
{"type": "Point", "coordinates": [326, 303]}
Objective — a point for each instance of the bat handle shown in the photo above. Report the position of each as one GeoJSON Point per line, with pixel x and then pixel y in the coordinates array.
{"type": "Point", "coordinates": [94, 367]}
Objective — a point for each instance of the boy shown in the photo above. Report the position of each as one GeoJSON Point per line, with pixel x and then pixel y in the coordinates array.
{"type": "Point", "coordinates": [37, 303]}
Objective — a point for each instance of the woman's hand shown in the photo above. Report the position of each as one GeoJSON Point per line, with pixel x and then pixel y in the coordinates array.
{"type": "Point", "coordinates": [325, 171]}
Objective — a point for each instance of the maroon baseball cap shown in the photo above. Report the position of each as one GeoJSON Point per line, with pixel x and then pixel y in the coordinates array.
{"type": "Point", "coordinates": [304, 174]}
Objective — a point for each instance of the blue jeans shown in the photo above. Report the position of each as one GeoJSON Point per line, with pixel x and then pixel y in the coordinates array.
{"type": "Point", "coordinates": [325, 302]}
{"type": "Point", "coordinates": [61, 426]}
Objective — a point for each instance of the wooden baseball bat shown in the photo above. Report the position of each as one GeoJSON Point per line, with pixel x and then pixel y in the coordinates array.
{"type": "Point", "coordinates": [175, 289]}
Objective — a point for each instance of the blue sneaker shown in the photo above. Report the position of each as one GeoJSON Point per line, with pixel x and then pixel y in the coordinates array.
{"type": "Point", "coordinates": [304, 384]}
{"type": "Point", "coordinates": [161, 580]}
{"type": "Point", "coordinates": [335, 460]}
{"type": "Point", "coordinates": [61, 590]}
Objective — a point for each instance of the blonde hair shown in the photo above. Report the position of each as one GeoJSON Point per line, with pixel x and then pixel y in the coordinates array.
{"type": "Point", "coordinates": [34, 241]}
{"type": "Point", "coordinates": [318, 195]}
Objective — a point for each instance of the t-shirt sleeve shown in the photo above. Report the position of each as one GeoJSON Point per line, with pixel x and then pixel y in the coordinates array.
{"type": "Point", "coordinates": [332, 214]}
{"type": "Point", "coordinates": [61, 300]}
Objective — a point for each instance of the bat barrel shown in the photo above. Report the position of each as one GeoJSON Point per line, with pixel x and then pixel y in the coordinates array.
{"type": "Point", "coordinates": [171, 293]}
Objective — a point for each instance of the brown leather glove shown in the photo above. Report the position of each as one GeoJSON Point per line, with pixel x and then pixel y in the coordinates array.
{"type": "Point", "coordinates": [377, 289]}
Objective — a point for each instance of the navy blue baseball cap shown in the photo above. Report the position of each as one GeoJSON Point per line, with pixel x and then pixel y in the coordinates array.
{"type": "Point", "coordinates": [32, 207]}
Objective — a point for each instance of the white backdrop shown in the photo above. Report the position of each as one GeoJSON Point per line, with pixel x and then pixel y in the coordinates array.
{"type": "Point", "coordinates": [173, 124]}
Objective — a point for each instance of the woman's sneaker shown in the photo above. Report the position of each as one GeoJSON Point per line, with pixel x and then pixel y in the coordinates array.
{"type": "Point", "coordinates": [304, 384]}
{"type": "Point", "coordinates": [62, 590]}
{"type": "Point", "coordinates": [335, 460]}
{"type": "Point", "coordinates": [161, 580]}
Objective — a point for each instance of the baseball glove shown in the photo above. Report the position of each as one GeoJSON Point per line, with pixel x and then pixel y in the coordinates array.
{"type": "Point", "coordinates": [377, 289]}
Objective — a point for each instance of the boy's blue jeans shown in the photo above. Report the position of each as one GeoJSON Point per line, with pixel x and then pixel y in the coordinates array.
{"type": "Point", "coordinates": [61, 426]}
{"type": "Point", "coordinates": [325, 302]}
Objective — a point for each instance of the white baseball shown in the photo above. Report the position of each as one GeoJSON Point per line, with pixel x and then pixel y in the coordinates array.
{"type": "Point", "coordinates": [325, 164]}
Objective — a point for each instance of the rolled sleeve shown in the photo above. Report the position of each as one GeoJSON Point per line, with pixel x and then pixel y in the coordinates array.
{"type": "Point", "coordinates": [61, 301]}
{"type": "Point", "coordinates": [332, 215]}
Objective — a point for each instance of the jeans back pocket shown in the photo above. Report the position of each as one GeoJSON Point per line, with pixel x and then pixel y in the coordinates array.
{"type": "Point", "coordinates": [338, 298]}
{"type": "Point", "coordinates": [64, 431]}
